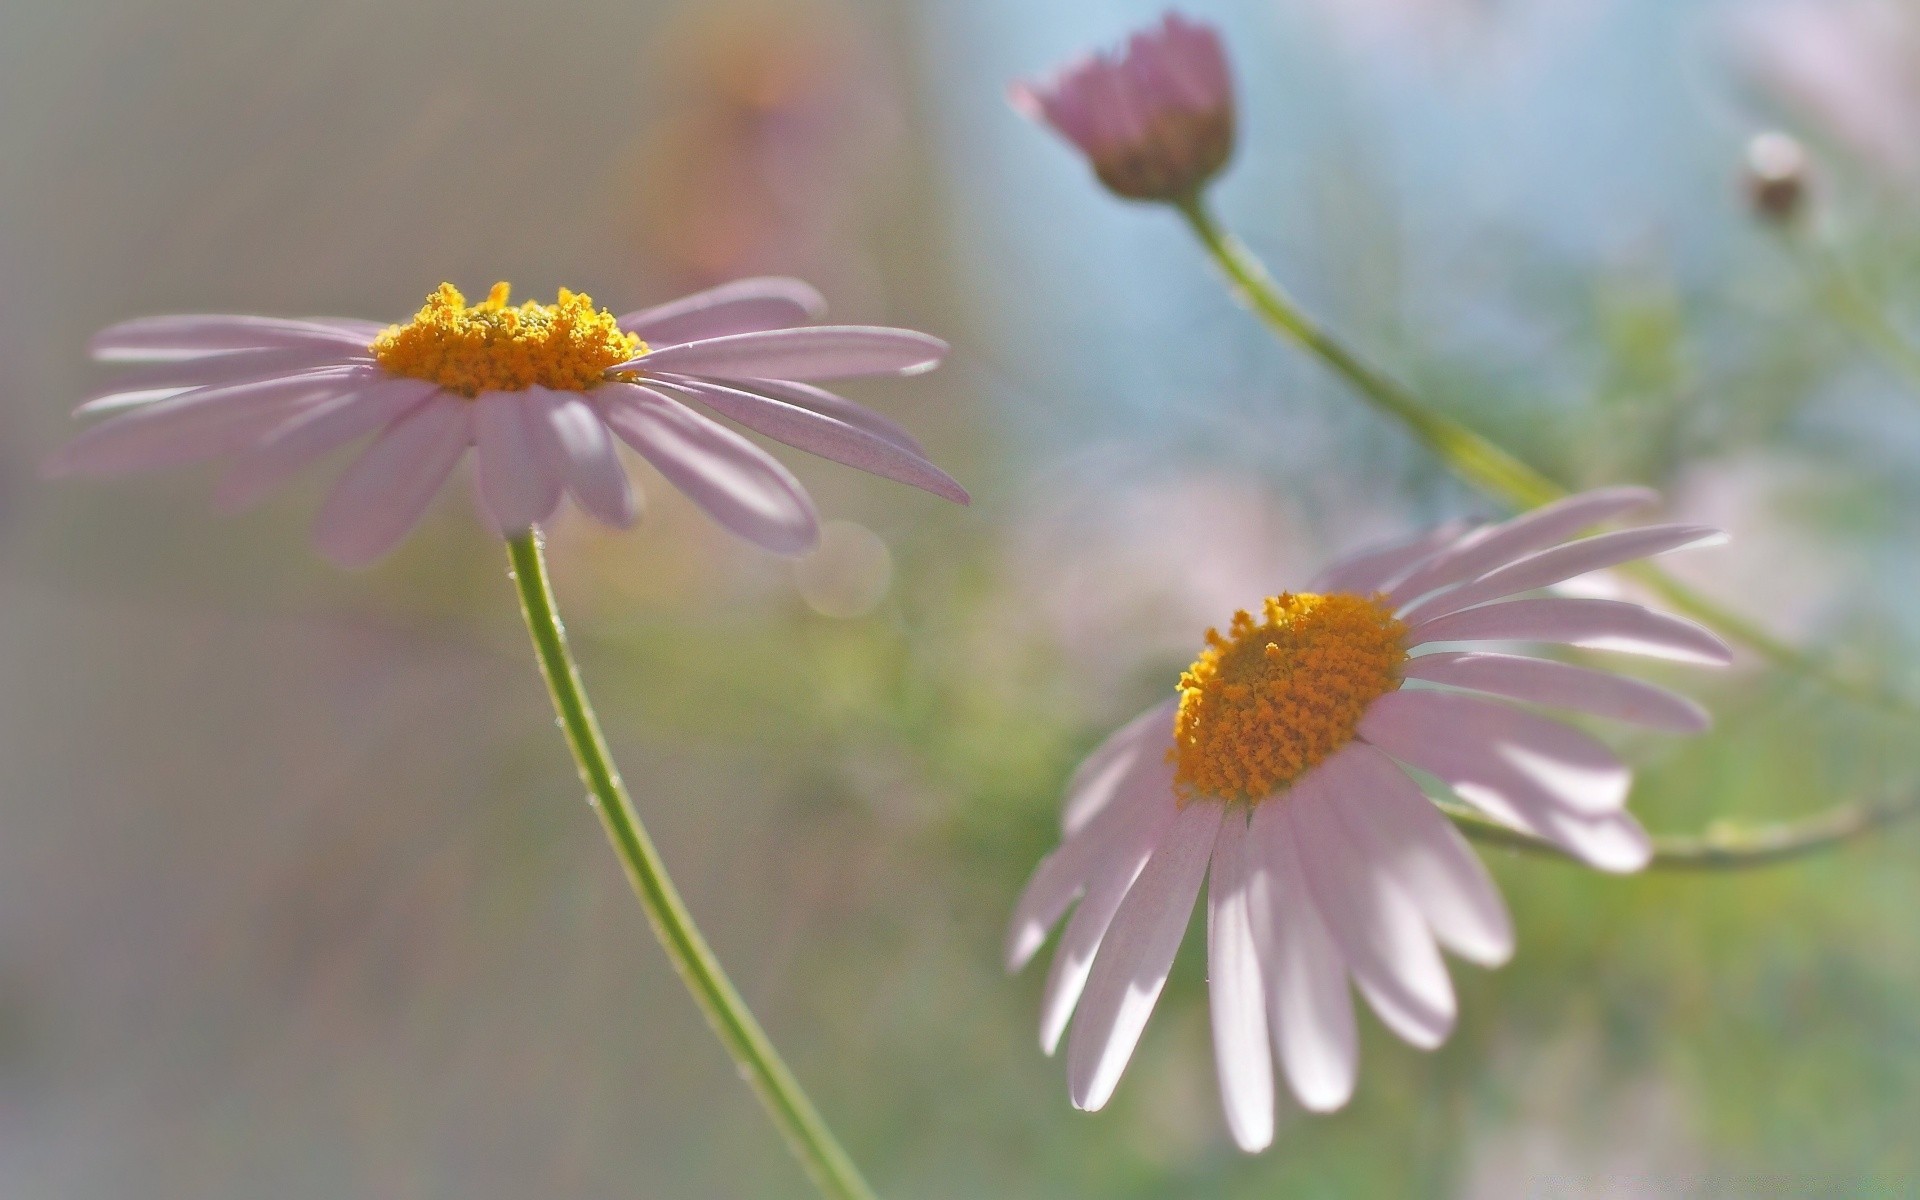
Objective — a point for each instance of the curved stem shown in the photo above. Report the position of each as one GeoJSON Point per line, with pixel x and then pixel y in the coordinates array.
{"type": "Point", "coordinates": [1478, 460]}
{"type": "Point", "coordinates": [1723, 847]}
{"type": "Point", "coordinates": [831, 1170]}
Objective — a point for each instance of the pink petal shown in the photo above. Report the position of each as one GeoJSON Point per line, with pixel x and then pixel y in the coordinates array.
{"type": "Point", "coordinates": [1146, 792]}
{"type": "Point", "coordinates": [143, 385]}
{"type": "Point", "coordinates": [1502, 747]}
{"type": "Point", "coordinates": [1564, 562]}
{"type": "Point", "coordinates": [519, 484]}
{"type": "Point", "coordinates": [1596, 624]}
{"type": "Point", "coordinates": [1310, 1009]}
{"type": "Point", "coordinates": [1561, 685]}
{"type": "Point", "coordinates": [1242, 1056]}
{"type": "Point", "coordinates": [1374, 570]}
{"type": "Point", "coordinates": [1408, 726]}
{"type": "Point", "coordinates": [825, 436]}
{"type": "Point", "coordinates": [1396, 826]}
{"type": "Point", "coordinates": [577, 445]}
{"type": "Point", "coordinates": [386, 491]}
{"type": "Point", "coordinates": [1498, 545]}
{"type": "Point", "coordinates": [193, 336]}
{"type": "Point", "coordinates": [743, 306]}
{"type": "Point", "coordinates": [815, 352]}
{"type": "Point", "coordinates": [1107, 885]}
{"type": "Point", "coordinates": [734, 481]}
{"type": "Point", "coordinates": [1136, 955]}
{"type": "Point", "coordinates": [838, 407]}
{"type": "Point", "coordinates": [312, 435]}
{"type": "Point", "coordinates": [1379, 929]}
{"type": "Point", "coordinates": [1095, 781]}
{"type": "Point", "coordinates": [196, 426]}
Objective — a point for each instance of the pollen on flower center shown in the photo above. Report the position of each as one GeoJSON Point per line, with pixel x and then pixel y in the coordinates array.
{"type": "Point", "coordinates": [1269, 701]}
{"type": "Point", "coordinates": [567, 345]}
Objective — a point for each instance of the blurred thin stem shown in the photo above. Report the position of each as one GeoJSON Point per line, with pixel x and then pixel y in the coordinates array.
{"type": "Point", "coordinates": [1840, 288]}
{"type": "Point", "coordinates": [1480, 461]}
{"type": "Point", "coordinates": [807, 1135]}
{"type": "Point", "coordinates": [1724, 846]}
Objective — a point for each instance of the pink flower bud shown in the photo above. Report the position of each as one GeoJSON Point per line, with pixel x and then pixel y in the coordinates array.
{"type": "Point", "coordinates": [1155, 120]}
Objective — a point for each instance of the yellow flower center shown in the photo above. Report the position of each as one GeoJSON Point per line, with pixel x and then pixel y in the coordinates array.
{"type": "Point", "coordinates": [1265, 704]}
{"type": "Point", "coordinates": [493, 347]}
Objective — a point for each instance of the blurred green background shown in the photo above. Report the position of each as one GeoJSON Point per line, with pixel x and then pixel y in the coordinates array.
{"type": "Point", "coordinates": [298, 895]}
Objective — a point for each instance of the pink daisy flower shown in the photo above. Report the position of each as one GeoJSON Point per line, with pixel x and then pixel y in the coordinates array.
{"type": "Point", "coordinates": [1156, 120]}
{"type": "Point", "coordinates": [1280, 770]}
{"type": "Point", "coordinates": [540, 392]}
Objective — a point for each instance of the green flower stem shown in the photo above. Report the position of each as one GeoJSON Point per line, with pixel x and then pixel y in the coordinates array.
{"type": "Point", "coordinates": [1836, 284]}
{"type": "Point", "coordinates": [758, 1062]}
{"type": "Point", "coordinates": [1725, 846]}
{"type": "Point", "coordinates": [1494, 471]}
{"type": "Point", "coordinates": [1480, 461]}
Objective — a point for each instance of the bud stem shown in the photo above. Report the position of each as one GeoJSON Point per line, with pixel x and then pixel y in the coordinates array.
{"type": "Point", "coordinates": [1481, 462]}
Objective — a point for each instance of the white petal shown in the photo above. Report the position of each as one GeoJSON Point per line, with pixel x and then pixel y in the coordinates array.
{"type": "Point", "coordinates": [742, 306]}
{"type": "Point", "coordinates": [1394, 824]}
{"type": "Point", "coordinates": [1237, 1000]}
{"type": "Point", "coordinates": [1136, 955]}
{"type": "Point", "coordinates": [1498, 545]}
{"type": "Point", "coordinates": [1502, 747]}
{"type": "Point", "coordinates": [1562, 685]}
{"type": "Point", "coordinates": [1095, 780]}
{"type": "Point", "coordinates": [1147, 792]}
{"type": "Point", "coordinates": [1596, 624]}
{"type": "Point", "coordinates": [1564, 562]}
{"type": "Point", "coordinates": [1309, 1007]}
{"type": "Point", "coordinates": [1375, 569]}
{"type": "Point", "coordinates": [1379, 930]}
{"type": "Point", "coordinates": [312, 435]}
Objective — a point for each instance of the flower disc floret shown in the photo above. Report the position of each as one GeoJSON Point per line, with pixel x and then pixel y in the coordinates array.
{"type": "Point", "coordinates": [1270, 700]}
{"type": "Point", "coordinates": [495, 347]}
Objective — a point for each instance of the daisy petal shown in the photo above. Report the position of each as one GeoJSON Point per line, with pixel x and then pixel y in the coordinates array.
{"type": "Point", "coordinates": [1146, 789]}
{"type": "Point", "coordinates": [1374, 570]}
{"type": "Point", "coordinates": [839, 407]}
{"type": "Point", "coordinates": [386, 491]}
{"type": "Point", "coordinates": [1498, 545]}
{"type": "Point", "coordinates": [1562, 685]}
{"type": "Point", "coordinates": [813, 352]}
{"type": "Point", "coordinates": [1408, 726]}
{"type": "Point", "coordinates": [143, 385]}
{"type": "Point", "coordinates": [518, 481]}
{"type": "Point", "coordinates": [1397, 826]}
{"type": "Point", "coordinates": [1564, 562]}
{"type": "Point", "coordinates": [1595, 624]}
{"type": "Point", "coordinates": [1136, 955]}
{"type": "Point", "coordinates": [1080, 941]}
{"type": "Point", "coordinates": [1310, 1008]}
{"type": "Point", "coordinates": [732, 480]}
{"type": "Point", "coordinates": [1501, 746]}
{"type": "Point", "coordinates": [315, 433]}
{"type": "Point", "coordinates": [192, 336]}
{"type": "Point", "coordinates": [743, 306]}
{"type": "Point", "coordinates": [579, 446]}
{"type": "Point", "coordinates": [1237, 999]}
{"type": "Point", "coordinates": [828, 437]}
{"type": "Point", "coordinates": [1379, 930]}
{"type": "Point", "coordinates": [1095, 781]}
{"type": "Point", "coordinates": [195, 426]}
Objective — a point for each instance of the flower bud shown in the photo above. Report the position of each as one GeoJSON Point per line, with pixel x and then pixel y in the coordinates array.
{"type": "Point", "coordinates": [1155, 120]}
{"type": "Point", "coordinates": [1776, 177]}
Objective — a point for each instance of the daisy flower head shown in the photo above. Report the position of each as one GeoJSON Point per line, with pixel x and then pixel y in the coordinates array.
{"type": "Point", "coordinates": [1278, 772]}
{"type": "Point", "coordinates": [1155, 120]}
{"type": "Point", "coordinates": [542, 393]}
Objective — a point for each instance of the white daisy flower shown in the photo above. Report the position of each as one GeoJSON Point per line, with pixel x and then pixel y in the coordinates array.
{"type": "Point", "coordinates": [1280, 770]}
